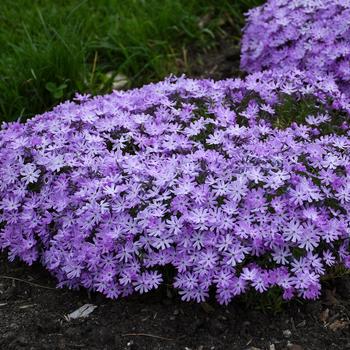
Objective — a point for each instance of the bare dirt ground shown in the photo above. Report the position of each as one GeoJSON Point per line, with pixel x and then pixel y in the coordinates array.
{"type": "Point", "coordinates": [32, 316]}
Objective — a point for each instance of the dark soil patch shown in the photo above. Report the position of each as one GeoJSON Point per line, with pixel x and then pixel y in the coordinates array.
{"type": "Point", "coordinates": [219, 62]}
{"type": "Point", "coordinates": [32, 317]}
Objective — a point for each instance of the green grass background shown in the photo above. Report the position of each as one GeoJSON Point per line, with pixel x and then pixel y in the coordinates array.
{"type": "Point", "coordinates": [52, 48]}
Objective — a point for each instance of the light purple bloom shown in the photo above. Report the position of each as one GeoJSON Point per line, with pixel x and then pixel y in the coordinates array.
{"type": "Point", "coordinates": [203, 176]}
{"type": "Point", "coordinates": [308, 35]}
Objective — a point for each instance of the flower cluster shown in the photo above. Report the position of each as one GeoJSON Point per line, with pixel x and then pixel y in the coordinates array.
{"type": "Point", "coordinates": [206, 179]}
{"type": "Point", "coordinates": [308, 35]}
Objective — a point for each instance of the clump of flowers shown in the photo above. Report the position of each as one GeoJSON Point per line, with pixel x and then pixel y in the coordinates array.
{"type": "Point", "coordinates": [208, 179]}
{"type": "Point", "coordinates": [309, 35]}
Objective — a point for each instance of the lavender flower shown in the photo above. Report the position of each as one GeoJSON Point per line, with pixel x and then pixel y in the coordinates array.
{"type": "Point", "coordinates": [309, 35]}
{"type": "Point", "coordinates": [208, 177]}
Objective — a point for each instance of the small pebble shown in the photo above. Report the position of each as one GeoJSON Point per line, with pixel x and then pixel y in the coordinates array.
{"type": "Point", "coordinates": [287, 333]}
{"type": "Point", "coordinates": [131, 345]}
{"type": "Point", "coordinates": [14, 326]}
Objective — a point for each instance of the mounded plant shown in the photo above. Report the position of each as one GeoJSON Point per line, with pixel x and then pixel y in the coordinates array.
{"type": "Point", "coordinates": [209, 180]}
{"type": "Point", "coordinates": [308, 35]}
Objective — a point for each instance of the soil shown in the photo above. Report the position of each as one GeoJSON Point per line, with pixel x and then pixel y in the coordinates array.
{"type": "Point", "coordinates": [219, 63]}
{"type": "Point", "coordinates": [32, 316]}
{"type": "Point", "coordinates": [33, 312]}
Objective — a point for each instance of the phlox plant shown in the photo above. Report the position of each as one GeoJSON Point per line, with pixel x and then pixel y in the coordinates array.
{"type": "Point", "coordinates": [209, 179]}
{"type": "Point", "coordinates": [309, 35]}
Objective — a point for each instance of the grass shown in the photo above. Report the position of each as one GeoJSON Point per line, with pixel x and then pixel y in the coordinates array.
{"type": "Point", "coordinates": [50, 49]}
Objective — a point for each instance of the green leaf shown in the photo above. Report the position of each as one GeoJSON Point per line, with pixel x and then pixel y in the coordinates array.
{"type": "Point", "coordinates": [50, 86]}
{"type": "Point", "coordinates": [58, 94]}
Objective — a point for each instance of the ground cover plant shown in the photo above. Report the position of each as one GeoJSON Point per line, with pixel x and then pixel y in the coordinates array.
{"type": "Point", "coordinates": [206, 185]}
{"type": "Point", "coordinates": [238, 188]}
{"type": "Point", "coordinates": [50, 49]}
{"type": "Point", "coordinates": [311, 35]}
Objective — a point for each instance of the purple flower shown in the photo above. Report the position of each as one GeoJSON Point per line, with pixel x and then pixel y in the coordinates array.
{"type": "Point", "coordinates": [209, 178]}
{"type": "Point", "coordinates": [308, 35]}
{"type": "Point", "coordinates": [147, 281]}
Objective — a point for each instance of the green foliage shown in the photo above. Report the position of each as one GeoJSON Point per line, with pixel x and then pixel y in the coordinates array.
{"type": "Point", "coordinates": [270, 301]}
{"type": "Point", "coordinates": [57, 91]}
{"type": "Point", "coordinates": [336, 271]}
{"type": "Point", "coordinates": [297, 111]}
{"type": "Point", "coordinates": [50, 49]}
